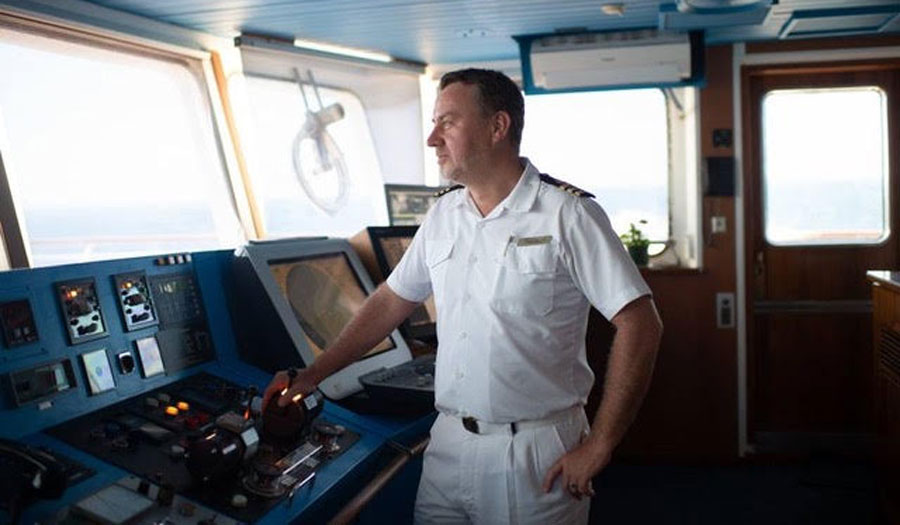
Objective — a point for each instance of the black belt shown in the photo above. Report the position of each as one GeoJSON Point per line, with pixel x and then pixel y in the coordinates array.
{"type": "Point", "coordinates": [471, 424]}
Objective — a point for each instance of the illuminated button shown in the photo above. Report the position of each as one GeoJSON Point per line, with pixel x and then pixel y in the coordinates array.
{"type": "Point", "coordinates": [171, 411]}
{"type": "Point", "coordinates": [183, 406]}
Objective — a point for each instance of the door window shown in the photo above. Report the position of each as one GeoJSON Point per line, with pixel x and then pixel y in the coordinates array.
{"type": "Point", "coordinates": [825, 166]}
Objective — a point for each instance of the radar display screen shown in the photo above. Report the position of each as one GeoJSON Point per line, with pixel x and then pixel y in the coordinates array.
{"type": "Point", "coordinates": [393, 247]}
{"type": "Point", "coordinates": [324, 293]}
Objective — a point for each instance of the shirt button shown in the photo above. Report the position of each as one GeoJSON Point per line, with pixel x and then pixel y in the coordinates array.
{"type": "Point", "coordinates": [463, 335]}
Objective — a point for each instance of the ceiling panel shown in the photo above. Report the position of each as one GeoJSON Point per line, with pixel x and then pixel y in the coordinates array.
{"type": "Point", "coordinates": [441, 31]}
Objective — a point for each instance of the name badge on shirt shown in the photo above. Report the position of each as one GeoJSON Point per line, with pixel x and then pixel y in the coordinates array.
{"type": "Point", "coordinates": [534, 241]}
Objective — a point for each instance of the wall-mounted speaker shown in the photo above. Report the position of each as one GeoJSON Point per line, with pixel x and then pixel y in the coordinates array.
{"type": "Point", "coordinates": [718, 176]}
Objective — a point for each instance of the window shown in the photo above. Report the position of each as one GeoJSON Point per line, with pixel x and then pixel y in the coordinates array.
{"type": "Point", "coordinates": [825, 169]}
{"type": "Point", "coordinates": [295, 201]}
{"type": "Point", "coordinates": [109, 153]}
{"type": "Point", "coordinates": [614, 144]}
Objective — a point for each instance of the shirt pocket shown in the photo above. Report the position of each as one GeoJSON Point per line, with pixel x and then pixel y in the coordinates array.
{"type": "Point", "coordinates": [526, 280]}
{"type": "Point", "coordinates": [437, 257]}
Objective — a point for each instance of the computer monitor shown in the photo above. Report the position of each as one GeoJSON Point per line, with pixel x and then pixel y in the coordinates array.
{"type": "Point", "coordinates": [407, 204]}
{"type": "Point", "coordinates": [315, 287]}
{"type": "Point", "coordinates": [389, 243]}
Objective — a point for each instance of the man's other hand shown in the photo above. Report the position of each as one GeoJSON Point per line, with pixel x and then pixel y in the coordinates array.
{"type": "Point", "coordinates": [303, 383]}
{"type": "Point", "coordinates": [576, 468]}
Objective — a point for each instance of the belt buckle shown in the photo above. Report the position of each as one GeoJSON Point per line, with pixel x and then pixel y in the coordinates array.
{"type": "Point", "coordinates": [470, 424]}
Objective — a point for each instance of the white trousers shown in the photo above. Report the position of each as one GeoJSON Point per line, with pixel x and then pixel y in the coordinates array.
{"type": "Point", "coordinates": [497, 478]}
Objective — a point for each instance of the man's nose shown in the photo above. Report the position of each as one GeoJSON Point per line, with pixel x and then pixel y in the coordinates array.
{"type": "Point", "coordinates": [434, 139]}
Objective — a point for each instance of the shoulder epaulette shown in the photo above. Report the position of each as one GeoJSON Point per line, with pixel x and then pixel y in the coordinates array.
{"type": "Point", "coordinates": [565, 186]}
{"type": "Point", "coordinates": [448, 189]}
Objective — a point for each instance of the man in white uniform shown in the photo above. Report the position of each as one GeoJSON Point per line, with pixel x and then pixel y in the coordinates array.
{"type": "Point", "coordinates": [514, 260]}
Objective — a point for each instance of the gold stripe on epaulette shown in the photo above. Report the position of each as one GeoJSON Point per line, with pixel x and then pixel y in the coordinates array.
{"type": "Point", "coordinates": [447, 190]}
{"type": "Point", "coordinates": [565, 186]}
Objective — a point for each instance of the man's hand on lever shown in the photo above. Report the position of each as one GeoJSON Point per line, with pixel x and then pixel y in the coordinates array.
{"type": "Point", "coordinates": [288, 383]}
{"type": "Point", "coordinates": [374, 321]}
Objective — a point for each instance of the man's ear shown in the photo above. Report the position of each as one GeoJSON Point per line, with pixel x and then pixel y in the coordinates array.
{"type": "Point", "coordinates": [500, 126]}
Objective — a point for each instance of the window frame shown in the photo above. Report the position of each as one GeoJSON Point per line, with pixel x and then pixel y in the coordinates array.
{"type": "Point", "coordinates": [245, 121]}
{"type": "Point", "coordinates": [199, 63]}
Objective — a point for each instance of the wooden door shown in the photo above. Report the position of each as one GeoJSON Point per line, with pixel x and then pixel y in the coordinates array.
{"type": "Point", "coordinates": [809, 312]}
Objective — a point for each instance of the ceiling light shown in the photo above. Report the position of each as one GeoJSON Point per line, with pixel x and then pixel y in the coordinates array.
{"type": "Point", "coordinates": [613, 9]}
{"type": "Point", "coordinates": [342, 50]}
{"type": "Point", "coordinates": [720, 6]}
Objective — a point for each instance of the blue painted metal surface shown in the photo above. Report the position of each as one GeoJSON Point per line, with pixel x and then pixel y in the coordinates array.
{"type": "Point", "coordinates": [452, 31]}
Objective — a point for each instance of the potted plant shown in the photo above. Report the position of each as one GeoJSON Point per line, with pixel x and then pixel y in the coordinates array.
{"type": "Point", "coordinates": [637, 244]}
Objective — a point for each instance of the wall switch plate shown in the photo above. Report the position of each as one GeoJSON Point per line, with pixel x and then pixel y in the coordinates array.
{"type": "Point", "coordinates": [718, 224]}
{"type": "Point", "coordinates": [725, 311]}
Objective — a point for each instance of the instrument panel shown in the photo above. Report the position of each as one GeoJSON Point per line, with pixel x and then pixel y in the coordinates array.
{"type": "Point", "coordinates": [201, 437]}
{"type": "Point", "coordinates": [128, 375]}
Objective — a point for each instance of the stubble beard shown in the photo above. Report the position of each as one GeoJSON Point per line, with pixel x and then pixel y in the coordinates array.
{"type": "Point", "coordinates": [453, 174]}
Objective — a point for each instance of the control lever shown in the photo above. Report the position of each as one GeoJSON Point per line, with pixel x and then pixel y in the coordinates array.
{"type": "Point", "coordinates": [251, 393]}
{"type": "Point", "coordinates": [292, 374]}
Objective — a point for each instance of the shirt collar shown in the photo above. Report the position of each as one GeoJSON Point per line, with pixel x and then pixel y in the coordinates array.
{"type": "Point", "coordinates": [523, 194]}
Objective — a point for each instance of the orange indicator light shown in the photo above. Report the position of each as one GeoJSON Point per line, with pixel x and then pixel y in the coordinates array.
{"type": "Point", "coordinates": [183, 406]}
{"type": "Point", "coordinates": [171, 411]}
{"type": "Point", "coordinates": [296, 398]}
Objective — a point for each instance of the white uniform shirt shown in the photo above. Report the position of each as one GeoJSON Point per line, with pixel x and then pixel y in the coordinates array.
{"type": "Point", "coordinates": [512, 291]}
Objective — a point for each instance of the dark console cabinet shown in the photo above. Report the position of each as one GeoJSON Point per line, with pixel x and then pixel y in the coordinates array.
{"type": "Point", "coordinates": [886, 394]}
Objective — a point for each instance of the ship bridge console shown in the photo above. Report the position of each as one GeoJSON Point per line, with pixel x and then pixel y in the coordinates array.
{"type": "Point", "coordinates": [132, 391]}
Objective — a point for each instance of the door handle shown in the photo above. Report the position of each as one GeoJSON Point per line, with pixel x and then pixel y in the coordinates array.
{"type": "Point", "coordinates": [759, 266]}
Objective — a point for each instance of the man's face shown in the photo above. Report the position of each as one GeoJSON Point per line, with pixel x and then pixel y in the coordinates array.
{"type": "Point", "coordinates": [461, 137]}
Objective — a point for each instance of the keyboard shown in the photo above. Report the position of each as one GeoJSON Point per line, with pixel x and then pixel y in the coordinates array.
{"type": "Point", "coordinates": [410, 383]}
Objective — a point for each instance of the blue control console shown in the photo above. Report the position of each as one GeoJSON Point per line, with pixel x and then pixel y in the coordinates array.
{"type": "Point", "coordinates": [122, 382]}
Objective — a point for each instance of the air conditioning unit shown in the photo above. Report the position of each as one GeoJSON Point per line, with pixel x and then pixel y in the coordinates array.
{"type": "Point", "coordinates": [610, 60]}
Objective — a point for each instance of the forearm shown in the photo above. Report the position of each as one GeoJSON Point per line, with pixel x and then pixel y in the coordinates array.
{"type": "Point", "coordinates": [629, 369]}
{"type": "Point", "coordinates": [377, 317]}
